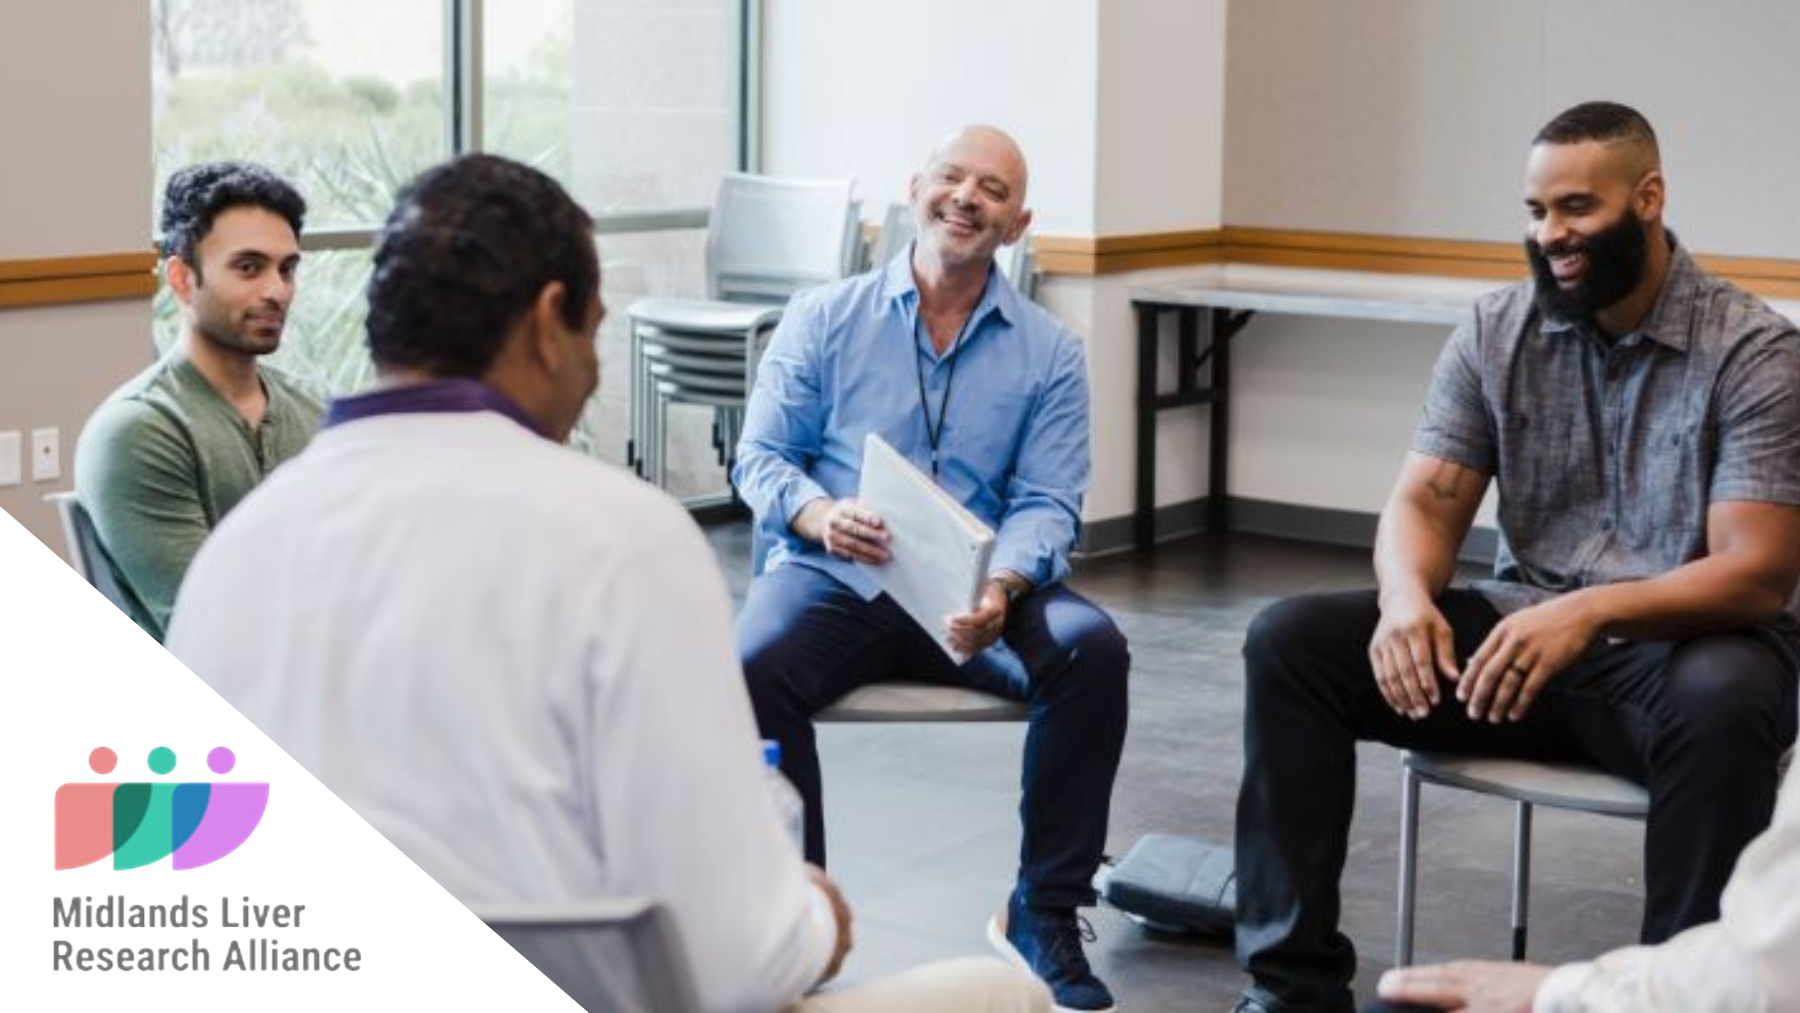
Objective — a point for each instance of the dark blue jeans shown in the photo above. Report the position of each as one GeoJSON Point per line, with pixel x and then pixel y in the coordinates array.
{"type": "Point", "coordinates": [1701, 722]}
{"type": "Point", "coordinates": [806, 640]}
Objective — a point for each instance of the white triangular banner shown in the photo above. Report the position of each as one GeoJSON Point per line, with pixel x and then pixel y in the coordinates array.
{"type": "Point", "coordinates": [76, 675]}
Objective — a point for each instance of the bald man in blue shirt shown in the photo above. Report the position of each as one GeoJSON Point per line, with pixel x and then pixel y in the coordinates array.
{"type": "Point", "coordinates": [986, 392]}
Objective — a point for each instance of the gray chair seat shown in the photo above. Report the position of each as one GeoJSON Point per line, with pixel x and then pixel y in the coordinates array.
{"type": "Point", "coordinates": [902, 701]}
{"type": "Point", "coordinates": [1559, 785]}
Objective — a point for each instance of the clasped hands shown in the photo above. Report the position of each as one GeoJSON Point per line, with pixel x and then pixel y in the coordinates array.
{"type": "Point", "coordinates": [850, 530]}
{"type": "Point", "coordinates": [1414, 649]}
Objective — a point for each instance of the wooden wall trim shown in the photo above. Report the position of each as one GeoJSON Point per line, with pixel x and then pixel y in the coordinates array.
{"type": "Point", "coordinates": [1390, 254]}
{"type": "Point", "coordinates": [1094, 255]}
{"type": "Point", "coordinates": [1344, 251]}
{"type": "Point", "coordinates": [62, 280]}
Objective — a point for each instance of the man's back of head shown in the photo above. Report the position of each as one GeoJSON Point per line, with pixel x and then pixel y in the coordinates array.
{"type": "Point", "coordinates": [486, 270]}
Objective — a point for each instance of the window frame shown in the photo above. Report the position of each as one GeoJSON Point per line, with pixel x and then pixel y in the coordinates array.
{"type": "Point", "coordinates": [463, 124]}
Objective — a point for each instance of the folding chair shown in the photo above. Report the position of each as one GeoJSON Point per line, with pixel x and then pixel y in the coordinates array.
{"type": "Point", "coordinates": [611, 956]}
{"type": "Point", "coordinates": [86, 555]}
{"type": "Point", "coordinates": [1527, 783]}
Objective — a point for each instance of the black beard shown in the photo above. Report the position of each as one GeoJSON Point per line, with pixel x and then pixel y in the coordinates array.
{"type": "Point", "coordinates": [1616, 258]}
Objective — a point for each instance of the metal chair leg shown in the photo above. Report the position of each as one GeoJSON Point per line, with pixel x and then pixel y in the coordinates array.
{"type": "Point", "coordinates": [1409, 854]}
{"type": "Point", "coordinates": [634, 441]}
{"type": "Point", "coordinates": [1521, 885]}
{"type": "Point", "coordinates": [659, 438]}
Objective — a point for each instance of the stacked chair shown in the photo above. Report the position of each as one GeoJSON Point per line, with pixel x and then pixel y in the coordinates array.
{"type": "Point", "coordinates": [767, 238]}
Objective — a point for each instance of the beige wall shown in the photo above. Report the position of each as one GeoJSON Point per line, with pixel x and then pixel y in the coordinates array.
{"type": "Point", "coordinates": [75, 115]}
{"type": "Point", "coordinates": [1412, 117]}
{"type": "Point", "coordinates": [1159, 116]}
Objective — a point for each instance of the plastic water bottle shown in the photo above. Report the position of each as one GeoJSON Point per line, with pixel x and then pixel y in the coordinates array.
{"type": "Point", "coordinates": [790, 809]}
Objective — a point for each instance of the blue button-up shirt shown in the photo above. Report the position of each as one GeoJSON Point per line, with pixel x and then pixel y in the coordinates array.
{"type": "Point", "coordinates": [845, 362]}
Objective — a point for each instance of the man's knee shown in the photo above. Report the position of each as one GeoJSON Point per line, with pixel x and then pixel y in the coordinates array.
{"type": "Point", "coordinates": [766, 654]}
{"type": "Point", "coordinates": [1281, 628]}
{"type": "Point", "coordinates": [766, 622]}
{"type": "Point", "coordinates": [1734, 690]}
{"type": "Point", "coordinates": [1101, 646]}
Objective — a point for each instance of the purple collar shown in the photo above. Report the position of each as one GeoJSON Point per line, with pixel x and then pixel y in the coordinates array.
{"type": "Point", "coordinates": [451, 395]}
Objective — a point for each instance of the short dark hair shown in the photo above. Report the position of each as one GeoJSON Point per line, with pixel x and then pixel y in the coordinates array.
{"type": "Point", "coordinates": [198, 194]}
{"type": "Point", "coordinates": [1605, 122]}
{"type": "Point", "coordinates": [469, 246]}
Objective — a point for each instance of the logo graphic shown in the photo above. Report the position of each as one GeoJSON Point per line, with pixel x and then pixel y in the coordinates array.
{"type": "Point", "coordinates": [140, 823]}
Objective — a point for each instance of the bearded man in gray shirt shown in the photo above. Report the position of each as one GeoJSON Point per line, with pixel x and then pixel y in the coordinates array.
{"type": "Point", "coordinates": [1640, 421]}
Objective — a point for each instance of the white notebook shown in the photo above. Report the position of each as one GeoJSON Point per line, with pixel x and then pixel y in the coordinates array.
{"type": "Point", "coordinates": [938, 550]}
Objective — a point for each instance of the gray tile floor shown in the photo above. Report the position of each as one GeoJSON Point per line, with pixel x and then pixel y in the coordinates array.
{"type": "Point", "coordinates": [923, 818]}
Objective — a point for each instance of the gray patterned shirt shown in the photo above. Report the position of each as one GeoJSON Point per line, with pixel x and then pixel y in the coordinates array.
{"type": "Point", "coordinates": [1606, 457]}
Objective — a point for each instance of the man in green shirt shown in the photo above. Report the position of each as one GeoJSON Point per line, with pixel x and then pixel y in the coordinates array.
{"type": "Point", "coordinates": [168, 454]}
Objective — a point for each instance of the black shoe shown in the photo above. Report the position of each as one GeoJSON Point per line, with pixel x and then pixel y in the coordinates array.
{"type": "Point", "coordinates": [1048, 944]}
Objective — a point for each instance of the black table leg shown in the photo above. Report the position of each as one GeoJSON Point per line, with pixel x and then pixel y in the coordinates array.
{"type": "Point", "coordinates": [1218, 457]}
{"type": "Point", "coordinates": [1143, 518]}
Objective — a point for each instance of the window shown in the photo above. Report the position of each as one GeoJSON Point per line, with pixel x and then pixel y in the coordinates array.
{"type": "Point", "coordinates": [635, 107]}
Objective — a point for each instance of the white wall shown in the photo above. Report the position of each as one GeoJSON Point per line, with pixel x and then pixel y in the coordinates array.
{"type": "Point", "coordinates": [1119, 105]}
{"type": "Point", "coordinates": [75, 113]}
{"type": "Point", "coordinates": [864, 88]}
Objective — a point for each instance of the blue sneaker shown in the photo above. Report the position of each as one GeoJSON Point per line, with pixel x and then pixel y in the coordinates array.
{"type": "Point", "coordinates": [1048, 944]}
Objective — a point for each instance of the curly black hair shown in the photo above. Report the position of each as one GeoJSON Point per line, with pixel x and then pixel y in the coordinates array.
{"type": "Point", "coordinates": [469, 246]}
{"type": "Point", "coordinates": [197, 194]}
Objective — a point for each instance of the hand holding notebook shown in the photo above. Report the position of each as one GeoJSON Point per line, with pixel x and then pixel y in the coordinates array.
{"type": "Point", "coordinates": [939, 550]}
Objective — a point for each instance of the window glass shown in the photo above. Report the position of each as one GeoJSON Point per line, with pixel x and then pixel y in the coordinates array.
{"type": "Point", "coordinates": [345, 98]}
{"type": "Point", "coordinates": [634, 106]}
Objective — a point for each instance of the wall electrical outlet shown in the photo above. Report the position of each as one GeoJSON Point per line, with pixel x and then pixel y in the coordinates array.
{"type": "Point", "coordinates": [46, 455]}
{"type": "Point", "coordinates": [10, 450]}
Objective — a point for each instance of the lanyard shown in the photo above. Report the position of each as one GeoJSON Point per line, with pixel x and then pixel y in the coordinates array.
{"type": "Point", "coordinates": [935, 434]}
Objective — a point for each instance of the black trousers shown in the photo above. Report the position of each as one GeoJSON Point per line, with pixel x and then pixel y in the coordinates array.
{"type": "Point", "coordinates": [1702, 723]}
{"type": "Point", "coordinates": [806, 640]}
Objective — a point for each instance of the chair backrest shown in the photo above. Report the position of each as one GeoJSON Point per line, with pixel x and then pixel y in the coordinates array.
{"type": "Point", "coordinates": [1017, 261]}
{"type": "Point", "coordinates": [88, 557]}
{"type": "Point", "coordinates": [769, 238]}
{"type": "Point", "coordinates": [1019, 265]}
{"type": "Point", "coordinates": [897, 230]}
{"type": "Point", "coordinates": [613, 956]}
